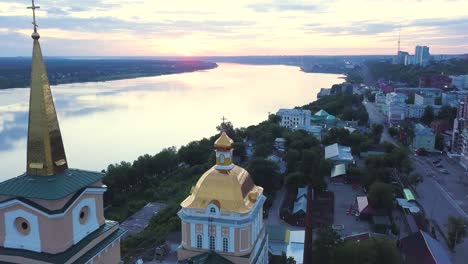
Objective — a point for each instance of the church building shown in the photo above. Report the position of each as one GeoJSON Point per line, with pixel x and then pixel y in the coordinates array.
{"type": "Point", "coordinates": [52, 213]}
{"type": "Point", "coordinates": [222, 218]}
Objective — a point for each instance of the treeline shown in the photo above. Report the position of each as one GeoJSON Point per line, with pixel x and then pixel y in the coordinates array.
{"type": "Point", "coordinates": [345, 106]}
{"type": "Point", "coordinates": [410, 74]}
{"type": "Point", "coordinates": [16, 72]}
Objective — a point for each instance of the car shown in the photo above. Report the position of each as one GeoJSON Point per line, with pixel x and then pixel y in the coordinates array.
{"type": "Point", "coordinates": [439, 166]}
{"type": "Point", "coordinates": [444, 171]}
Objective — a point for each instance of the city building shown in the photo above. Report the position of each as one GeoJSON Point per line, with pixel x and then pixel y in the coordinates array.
{"type": "Point", "coordinates": [460, 81]}
{"type": "Point", "coordinates": [414, 111]}
{"type": "Point", "coordinates": [223, 215]}
{"type": "Point", "coordinates": [284, 241]}
{"type": "Point", "coordinates": [339, 154]}
{"type": "Point", "coordinates": [421, 55]}
{"type": "Point", "coordinates": [459, 124]}
{"type": "Point", "coordinates": [294, 118]}
{"type": "Point", "coordinates": [280, 144]}
{"type": "Point", "coordinates": [395, 98]}
{"type": "Point", "coordinates": [409, 60]}
{"type": "Point", "coordinates": [396, 112]}
{"type": "Point", "coordinates": [424, 138]}
{"type": "Point", "coordinates": [464, 149]}
{"type": "Point", "coordinates": [436, 92]}
{"type": "Point", "coordinates": [52, 213]}
{"type": "Point", "coordinates": [380, 98]}
{"type": "Point", "coordinates": [421, 248]}
{"type": "Point", "coordinates": [423, 99]}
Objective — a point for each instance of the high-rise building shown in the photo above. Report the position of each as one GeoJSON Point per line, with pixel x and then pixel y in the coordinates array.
{"type": "Point", "coordinates": [459, 124]}
{"type": "Point", "coordinates": [222, 218]}
{"type": "Point", "coordinates": [421, 55]}
{"type": "Point", "coordinates": [51, 213]}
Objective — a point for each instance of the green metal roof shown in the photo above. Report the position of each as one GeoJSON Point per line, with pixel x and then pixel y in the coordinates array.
{"type": "Point", "coordinates": [408, 195]}
{"type": "Point", "coordinates": [277, 232]}
{"type": "Point", "coordinates": [322, 113]}
{"type": "Point", "coordinates": [49, 187]}
{"type": "Point", "coordinates": [66, 255]}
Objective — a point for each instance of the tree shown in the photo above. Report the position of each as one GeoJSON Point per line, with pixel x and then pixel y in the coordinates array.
{"type": "Point", "coordinates": [428, 115]}
{"type": "Point", "coordinates": [410, 99]}
{"type": "Point", "coordinates": [372, 251]}
{"type": "Point", "coordinates": [456, 227]}
{"type": "Point", "coordinates": [264, 173]}
{"type": "Point", "coordinates": [439, 142]}
{"type": "Point", "coordinates": [414, 179]}
{"type": "Point", "coordinates": [447, 113]}
{"type": "Point", "coordinates": [381, 196]}
{"type": "Point", "coordinates": [325, 245]}
{"type": "Point", "coordinates": [392, 131]}
{"type": "Point", "coordinates": [377, 132]}
{"type": "Point", "coordinates": [228, 128]}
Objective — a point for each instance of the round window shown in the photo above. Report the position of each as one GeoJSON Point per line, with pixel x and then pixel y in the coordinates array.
{"type": "Point", "coordinates": [84, 213]}
{"type": "Point", "coordinates": [22, 225]}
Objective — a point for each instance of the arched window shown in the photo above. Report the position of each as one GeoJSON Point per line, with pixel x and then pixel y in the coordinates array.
{"type": "Point", "coordinates": [199, 241]}
{"type": "Point", "coordinates": [225, 245]}
{"type": "Point", "coordinates": [212, 210]}
{"type": "Point", "coordinates": [221, 159]}
{"type": "Point", "coordinates": [212, 243]}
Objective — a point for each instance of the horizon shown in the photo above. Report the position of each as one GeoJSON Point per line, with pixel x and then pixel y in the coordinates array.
{"type": "Point", "coordinates": [143, 28]}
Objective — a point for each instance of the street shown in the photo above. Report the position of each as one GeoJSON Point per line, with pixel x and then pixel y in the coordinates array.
{"type": "Point", "coordinates": [441, 195]}
{"type": "Point", "coordinates": [376, 117]}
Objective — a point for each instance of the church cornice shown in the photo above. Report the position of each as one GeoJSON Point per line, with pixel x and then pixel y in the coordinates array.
{"type": "Point", "coordinates": [52, 213]}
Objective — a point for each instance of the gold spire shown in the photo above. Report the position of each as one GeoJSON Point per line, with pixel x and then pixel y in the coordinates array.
{"type": "Point", "coordinates": [46, 155]}
{"type": "Point", "coordinates": [224, 141]}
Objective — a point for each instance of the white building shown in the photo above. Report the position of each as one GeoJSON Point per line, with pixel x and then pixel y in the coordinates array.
{"type": "Point", "coordinates": [460, 81]}
{"type": "Point", "coordinates": [395, 98]}
{"type": "Point", "coordinates": [223, 215]}
{"type": "Point", "coordinates": [396, 112]}
{"type": "Point", "coordinates": [294, 118]}
{"type": "Point", "coordinates": [414, 111]}
{"type": "Point", "coordinates": [422, 99]}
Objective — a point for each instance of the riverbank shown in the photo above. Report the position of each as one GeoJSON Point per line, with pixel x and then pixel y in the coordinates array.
{"type": "Point", "coordinates": [15, 72]}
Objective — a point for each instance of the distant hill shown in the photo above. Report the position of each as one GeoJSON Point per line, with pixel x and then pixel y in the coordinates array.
{"type": "Point", "coordinates": [15, 72]}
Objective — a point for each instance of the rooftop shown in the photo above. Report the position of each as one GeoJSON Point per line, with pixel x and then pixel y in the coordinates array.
{"type": "Point", "coordinates": [420, 129]}
{"type": "Point", "coordinates": [49, 187]}
{"type": "Point", "coordinates": [338, 152]}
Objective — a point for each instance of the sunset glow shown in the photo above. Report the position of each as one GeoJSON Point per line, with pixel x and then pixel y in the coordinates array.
{"type": "Point", "coordinates": [206, 28]}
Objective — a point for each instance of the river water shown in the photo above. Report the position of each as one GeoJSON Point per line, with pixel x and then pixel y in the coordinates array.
{"type": "Point", "coordinates": [108, 122]}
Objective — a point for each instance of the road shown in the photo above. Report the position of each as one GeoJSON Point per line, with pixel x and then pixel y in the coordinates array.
{"type": "Point", "coordinates": [274, 212]}
{"type": "Point", "coordinates": [441, 197]}
{"type": "Point", "coordinates": [377, 117]}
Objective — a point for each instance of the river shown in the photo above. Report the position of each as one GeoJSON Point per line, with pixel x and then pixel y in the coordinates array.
{"type": "Point", "coordinates": [107, 122]}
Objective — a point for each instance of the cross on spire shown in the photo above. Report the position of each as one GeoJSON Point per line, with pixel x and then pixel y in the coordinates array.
{"type": "Point", "coordinates": [223, 119]}
{"type": "Point", "coordinates": [34, 7]}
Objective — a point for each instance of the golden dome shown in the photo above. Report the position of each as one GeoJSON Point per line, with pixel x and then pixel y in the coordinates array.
{"type": "Point", "coordinates": [232, 190]}
{"type": "Point", "coordinates": [224, 141]}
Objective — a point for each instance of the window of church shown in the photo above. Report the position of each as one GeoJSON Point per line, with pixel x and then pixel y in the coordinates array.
{"type": "Point", "coordinates": [22, 225]}
{"type": "Point", "coordinates": [212, 243]}
{"type": "Point", "coordinates": [225, 245]}
{"type": "Point", "coordinates": [84, 213]}
{"type": "Point", "coordinates": [221, 159]}
{"type": "Point", "coordinates": [199, 241]}
{"type": "Point", "coordinates": [212, 210]}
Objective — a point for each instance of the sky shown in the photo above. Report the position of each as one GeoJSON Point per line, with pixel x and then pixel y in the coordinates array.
{"type": "Point", "coordinates": [234, 27]}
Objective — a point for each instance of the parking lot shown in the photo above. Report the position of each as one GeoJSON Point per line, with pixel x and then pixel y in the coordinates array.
{"type": "Point", "coordinates": [345, 195]}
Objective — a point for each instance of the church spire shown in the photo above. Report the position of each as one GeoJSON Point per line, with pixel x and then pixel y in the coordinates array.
{"type": "Point", "coordinates": [45, 154]}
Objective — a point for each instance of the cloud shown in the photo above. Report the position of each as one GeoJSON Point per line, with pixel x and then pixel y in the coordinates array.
{"type": "Point", "coordinates": [356, 28]}
{"type": "Point", "coordinates": [280, 6]}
